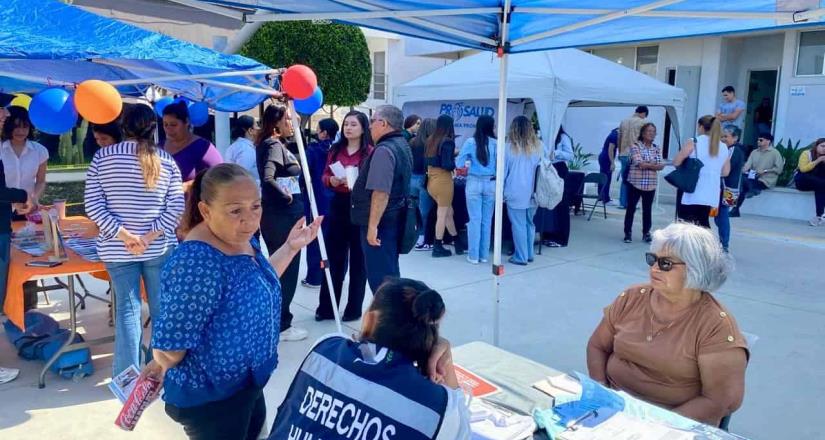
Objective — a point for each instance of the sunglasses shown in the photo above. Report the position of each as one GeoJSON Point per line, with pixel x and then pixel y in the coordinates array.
{"type": "Point", "coordinates": [665, 263]}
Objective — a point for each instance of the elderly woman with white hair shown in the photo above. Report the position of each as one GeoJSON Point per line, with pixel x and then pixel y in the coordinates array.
{"type": "Point", "coordinates": [670, 341]}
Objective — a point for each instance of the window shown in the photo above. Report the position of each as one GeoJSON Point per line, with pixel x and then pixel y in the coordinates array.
{"type": "Point", "coordinates": [379, 75]}
{"type": "Point", "coordinates": [644, 59]}
{"type": "Point", "coordinates": [647, 58]}
{"type": "Point", "coordinates": [811, 53]}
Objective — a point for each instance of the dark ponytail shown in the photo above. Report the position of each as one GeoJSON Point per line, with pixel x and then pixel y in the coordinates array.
{"type": "Point", "coordinates": [408, 319]}
{"type": "Point", "coordinates": [204, 189]}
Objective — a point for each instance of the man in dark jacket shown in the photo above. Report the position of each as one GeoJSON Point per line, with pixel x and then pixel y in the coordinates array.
{"type": "Point", "coordinates": [379, 195]}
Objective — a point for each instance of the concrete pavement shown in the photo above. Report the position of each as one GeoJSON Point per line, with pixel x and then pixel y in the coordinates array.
{"type": "Point", "coordinates": [548, 310]}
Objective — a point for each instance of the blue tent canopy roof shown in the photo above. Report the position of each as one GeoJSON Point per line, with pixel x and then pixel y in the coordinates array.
{"type": "Point", "coordinates": [45, 42]}
{"type": "Point", "coordinates": [543, 24]}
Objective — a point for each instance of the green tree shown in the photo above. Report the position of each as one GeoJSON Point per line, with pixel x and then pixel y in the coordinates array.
{"type": "Point", "coordinates": [337, 53]}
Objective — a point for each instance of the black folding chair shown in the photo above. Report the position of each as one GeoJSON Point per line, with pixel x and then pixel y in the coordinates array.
{"type": "Point", "coordinates": [600, 180]}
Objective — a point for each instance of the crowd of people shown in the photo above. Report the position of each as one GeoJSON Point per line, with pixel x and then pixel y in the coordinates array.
{"type": "Point", "coordinates": [180, 224]}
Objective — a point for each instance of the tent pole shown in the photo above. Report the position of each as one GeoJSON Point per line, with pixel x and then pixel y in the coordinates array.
{"type": "Point", "coordinates": [299, 139]}
{"type": "Point", "coordinates": [501, 130]}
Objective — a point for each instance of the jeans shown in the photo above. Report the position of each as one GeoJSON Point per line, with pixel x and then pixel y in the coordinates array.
{"type": "Point", "coordinates": [425, 202]}
{"type": "Point", "coordinates": [811, 182]}
{"type": "Point", "coordinates": [524, 233]}
{"type": "Point", "coordinates": [749, 185]}
{"type": "Point", "coordinates": [633, 196]}
{"type": "Point", "coordinates": [345, 253]}
{"type": "Point", "coordinates": [126, 277]}
{"type": "Point", "coordinates": [722, 221]}
{"type": "Point", "coordinates": [481, 194]}
{"type": "Point", "coordinates": [382, 261]}
{"type": "Point", "coordinates": [625, 161]}
{"type": "Point", "coordinates": [240, 417]}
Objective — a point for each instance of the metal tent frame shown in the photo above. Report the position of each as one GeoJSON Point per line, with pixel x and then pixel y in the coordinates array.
{"type": "Point", "coordinates": [437, 21]}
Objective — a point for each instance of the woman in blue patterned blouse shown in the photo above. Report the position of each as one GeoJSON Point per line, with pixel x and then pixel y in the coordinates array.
{"type": "Point", "coordinates": [215, 340]}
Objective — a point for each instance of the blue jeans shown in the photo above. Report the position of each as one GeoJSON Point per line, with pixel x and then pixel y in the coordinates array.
{"type": "Point", "coordinates": [382, 261]}
{"type": "Point", "coordinates": [5, 254]}
{"type": "Point", "coordinates": [722, 221]}
{"type": "Point", "coordinates": [418, 188]}
{"type": "Point", "coordinates": [625, 161]}
{"type": "Point", "coordinates": [524, 232]}
{"type": "Point", "coordinates": [481, 195]}
{"type": "Point", "coordinates": [126, 278]}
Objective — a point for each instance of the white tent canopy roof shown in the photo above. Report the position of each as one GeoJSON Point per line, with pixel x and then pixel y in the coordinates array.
{"type": "Point", "coordinates": [554, 80]}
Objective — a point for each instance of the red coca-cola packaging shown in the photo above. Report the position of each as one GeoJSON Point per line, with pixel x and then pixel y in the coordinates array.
{"type": "Point", "coordinates": [146, 390]}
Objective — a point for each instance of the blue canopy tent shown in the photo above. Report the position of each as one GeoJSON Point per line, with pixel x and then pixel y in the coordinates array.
{"type": "Point", "coordinates": [513, 26]}
{"type": "Point", "coordinates": [49, 43]}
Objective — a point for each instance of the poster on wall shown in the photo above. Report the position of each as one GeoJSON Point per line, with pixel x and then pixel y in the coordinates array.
{"type": "Point", "coordinates": [465, 113]}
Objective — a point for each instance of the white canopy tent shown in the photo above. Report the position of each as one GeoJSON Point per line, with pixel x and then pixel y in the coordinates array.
{"type": "Point", "coordinates": [507, 27]}
{"type": "Point", "coordinates": [554, 80]}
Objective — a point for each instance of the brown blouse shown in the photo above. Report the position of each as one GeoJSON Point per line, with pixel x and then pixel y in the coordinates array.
{"type": "Point", "coordinates": [663, 368]}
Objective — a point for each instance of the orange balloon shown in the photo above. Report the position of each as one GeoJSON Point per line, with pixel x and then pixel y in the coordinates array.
{"type": "Point", "coordinates": [97, 101]}
{"type": "Point", "coordinates": [299, 81]}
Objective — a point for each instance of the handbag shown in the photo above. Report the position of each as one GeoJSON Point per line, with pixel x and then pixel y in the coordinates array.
{"type": "Point", "coordinates": [686, 176]}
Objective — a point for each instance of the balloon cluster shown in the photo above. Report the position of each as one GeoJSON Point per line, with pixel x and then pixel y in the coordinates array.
{"type": "Point", "coordinates": [198, 111]}
{"type": "Point", "coordinates": [54, 110]}
{"type": "Point", "coordinates": [301, 84]}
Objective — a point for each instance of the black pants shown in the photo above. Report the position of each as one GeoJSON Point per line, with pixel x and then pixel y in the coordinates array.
{"type": "Point", "coordinates": [749, 185]}
{"type": "Point", "coordinates": [275, 228]}
{"type": "Point", "coordinates": [812, 182]}
{"type": "Point", "coordinates": [240, 417]}
{"type": "Point", "coordinates": [381, 262]}
{"type": "Point", "coordinates": [560, 215]}
{"type": "Point", "coordinates": [343, 241]}
{"type": "Point", "coordinates": [633, 196]}
{"type": "Point", "coordinates": [696, 214]}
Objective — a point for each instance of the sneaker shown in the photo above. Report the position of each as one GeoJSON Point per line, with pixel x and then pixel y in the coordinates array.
{"type": "Point", "coordinates": [310, 285]}
{"type": "Point", "coordinates": [471, 261]}
{"type": "Point", "coordinates": [484, 260]}
{"type": "Point", "coordinates": [627, 239]}
{"type": "Point", "coordinates": [516, 262]}
{"type": "Point", "coordinates": [817, 221]}
{"type": "Point", "coordinates": [8, 374]}
{"type": "Point", "coordinates": [647, 238]}
{"type": "Point", "coordinates": [293, 334]}
{"type": "Point", "coordinates": [622, 207]}
{"type": "Point", "coordinates": [423, 247]}
{"type": "Point", "coordinates": [552, 244]}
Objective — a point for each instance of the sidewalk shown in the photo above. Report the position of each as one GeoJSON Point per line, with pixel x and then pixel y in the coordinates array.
{"type": "Point", "coordinates": [548, 311]}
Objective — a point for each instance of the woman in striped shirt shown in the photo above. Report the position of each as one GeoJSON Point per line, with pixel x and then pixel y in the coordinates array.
{"type": "Point", "coordinates": [134, 195]}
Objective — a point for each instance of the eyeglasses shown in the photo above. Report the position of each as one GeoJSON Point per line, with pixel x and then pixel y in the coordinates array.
{"type": "Point", "coordinates": [665, 263]}
{"type": "Point", "coordinates": [374, 120]}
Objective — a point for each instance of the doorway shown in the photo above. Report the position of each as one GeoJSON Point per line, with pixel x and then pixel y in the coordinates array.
{"type": "Point", "coordinates": [761, 105]}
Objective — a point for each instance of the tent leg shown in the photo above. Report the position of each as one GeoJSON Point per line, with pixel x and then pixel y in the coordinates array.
{"type": "Point", "coordinates": [296, 126]}
{"type": "Point", "coordinates": [498, 267]}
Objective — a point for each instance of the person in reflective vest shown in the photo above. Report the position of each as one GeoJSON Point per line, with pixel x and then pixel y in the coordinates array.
{"type": "Point", "coordinates": [397, 382]}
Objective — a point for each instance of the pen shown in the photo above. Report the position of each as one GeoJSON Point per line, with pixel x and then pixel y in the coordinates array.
{"type": "Point", "coordinates": [572, 426]}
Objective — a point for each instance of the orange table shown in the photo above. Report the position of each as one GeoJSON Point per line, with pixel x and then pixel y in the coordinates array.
{"type": "Point", "coordinates": [19, 273]}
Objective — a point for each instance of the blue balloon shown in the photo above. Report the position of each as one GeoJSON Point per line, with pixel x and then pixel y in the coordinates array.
{"type": "Point", "coordinates": [161, 104]}
{"type": "Point", "coordinates": [52, 111]}
{"type": "Point", "coordinates": [198, 114]}
{"type": "Point", "coordinates": [310, 105]}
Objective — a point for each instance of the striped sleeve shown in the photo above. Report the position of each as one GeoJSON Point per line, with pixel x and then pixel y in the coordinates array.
{"type": "Point", "coordinates": [169, 218]}
{"type": "Point", "coordinates": [95, 203]}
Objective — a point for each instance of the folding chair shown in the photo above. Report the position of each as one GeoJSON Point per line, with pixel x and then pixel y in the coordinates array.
{"type": "Point", "coordinates": [600, 180]}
